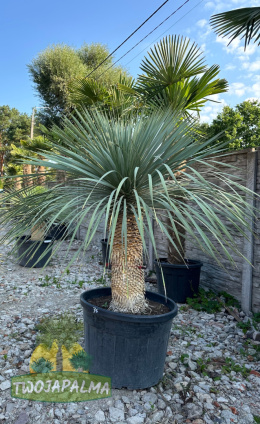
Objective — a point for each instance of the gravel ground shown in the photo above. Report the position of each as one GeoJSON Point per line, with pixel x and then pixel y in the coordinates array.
{"type": "Point", "coordinates": [211, 370]}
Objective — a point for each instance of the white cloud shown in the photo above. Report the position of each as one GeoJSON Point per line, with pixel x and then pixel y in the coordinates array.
{"type": "Point", "coordinates": [237, 88]}
{"type": "Point", "coordinates": [230, 67]}
{"type": "Point", "coordinates": [231, 48]}
{"type": "Point", "coordinates": [202, 22]}
{"type": "Point", "coordinates": [210, 111]}
{"type": "Point", "coordinates": [252, 66]}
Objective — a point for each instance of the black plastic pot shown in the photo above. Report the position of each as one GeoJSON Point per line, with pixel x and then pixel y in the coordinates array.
{"type": "Point", "coordinates": [30, 251]}
{"type": "Point", "coordinates": [105, 253]}
{"type": "Point", "coordinates": [181, 280]}
{"type": "Point", "coordinates": [58, 231]}
{"type": "Point", "coordinates": [131, 349]}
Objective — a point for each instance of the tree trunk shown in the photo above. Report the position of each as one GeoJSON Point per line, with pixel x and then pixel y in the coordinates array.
{"type": "Point", "coordinates": [59, 359]}
{"type": "Point", "coordinates": [2, 165]}
{"type": "Point", "coordinates": [27, 170]}
{"type": "Point", "coordinates": [18, 183]}
{"type": "Point", "coordinates": [174, 257]}
{"type": "Point", "coordinates": [61, 177]}
{"type": "Point", "coordinates": [42, 176]}
{"type": "Point", "coordinates": [127, 283]}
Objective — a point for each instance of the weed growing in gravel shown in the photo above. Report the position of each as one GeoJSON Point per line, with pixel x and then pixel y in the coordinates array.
{"type": "Point", "coordinates": [205, 301]}
{"type": "Point", "coordinates": [208, 301]}
{"type": "Point", "coordinates": [245, 326]}
{"type": "Point", "coordinates": [202, 364]}
{"type": "Point", "coordinates": [257, 419]}
{"type": "Point", "coordinates": [232, 366]}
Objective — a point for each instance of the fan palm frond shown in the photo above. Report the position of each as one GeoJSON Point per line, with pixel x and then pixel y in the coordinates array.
{"type": "Point", "coordinates": [244, 23]}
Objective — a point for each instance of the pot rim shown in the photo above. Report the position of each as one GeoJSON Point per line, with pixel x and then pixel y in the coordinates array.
{"type": "Point", "coordinates": [190, 263]}
{"type": "Point", "coordinates": [119, 316]}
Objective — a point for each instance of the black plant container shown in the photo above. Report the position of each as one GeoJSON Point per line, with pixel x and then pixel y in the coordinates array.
{"type": "Point", "coordinates": [181, 280]}
{"type": "Point", "coordinates": [58, 231]}
{"type": "Point", "coordinates": [131, 349]}
{"type": "Point", "coordinates": [105, 253]}
{"type": "Point", "coordinates": [30, 251]}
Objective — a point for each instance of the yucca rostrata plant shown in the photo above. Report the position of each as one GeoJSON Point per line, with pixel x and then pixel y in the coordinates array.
{"type": "Point", "coordinates": [121, 171]}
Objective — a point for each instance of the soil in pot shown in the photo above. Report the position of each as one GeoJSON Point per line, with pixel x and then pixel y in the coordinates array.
{"type": "Point", "coordinates": [30, 251]}
{"type": "Point", "coordinates": [130, 349]}
{"type": "Point", "coordinates": [181, 280]}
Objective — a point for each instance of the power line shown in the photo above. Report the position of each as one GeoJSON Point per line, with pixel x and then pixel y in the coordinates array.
{"type": "Point", "coordinates": [101, 63]}
{"type": "Point", "coordinates": [144, 37]}
{"type": "Point", "coordinates": [196, 5]}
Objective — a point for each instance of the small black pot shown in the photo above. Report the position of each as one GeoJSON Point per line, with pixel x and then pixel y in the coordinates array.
{"type": "Point", "coordinates": [131, 349]}
{"type": "Point", "coordinates": [105, 253]}
{"type": "Point", "coordinates": [181, 280]}
{"type": "Point", "coordinates": [30, 251]}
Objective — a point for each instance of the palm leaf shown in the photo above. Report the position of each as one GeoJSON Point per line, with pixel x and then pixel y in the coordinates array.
{"type": "Point", "coordinates": [244, 23]}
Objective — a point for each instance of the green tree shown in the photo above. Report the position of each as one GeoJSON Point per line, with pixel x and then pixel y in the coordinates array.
{"type": "Point", "coordinates": [124, 170]}
{"type": "Point", "coordinates": [239, 126]}
{"type": "Point", "coordinates": [56, 66]}
{"type": "Point", "coordinates": [13, 127]}
{"type": "Point", "coordinates": [244, 23]}
{"type": "Point", "coordinates": [64, 329]}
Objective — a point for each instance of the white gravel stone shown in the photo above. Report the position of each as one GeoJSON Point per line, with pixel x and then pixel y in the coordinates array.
{"type": "Point", "coordinates": [100, 416]}
{"type": "Point", "coordinates": [5, 385]}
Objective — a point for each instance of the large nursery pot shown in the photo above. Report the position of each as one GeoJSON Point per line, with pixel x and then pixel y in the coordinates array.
{"type": "Point", "coordinates": [29, 251]}
{"type": "Point", "coordinates": [130, 349]}
{"type": "Point", "coordinates": [181, 280]}
{"type": "Point", "coordinates": [105, 253]}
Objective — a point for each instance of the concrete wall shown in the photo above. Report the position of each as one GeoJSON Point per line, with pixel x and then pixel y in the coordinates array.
{"type": "Point", "coordinates": [241, 281]}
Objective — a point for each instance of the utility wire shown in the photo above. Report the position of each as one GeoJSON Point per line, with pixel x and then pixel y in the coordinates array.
{"type": "Point", "coordinates": [127, 38]}
{"type": "Point", "coordinates": [196, 5]}
{"type": "Point", "coordinates": [144, 38]}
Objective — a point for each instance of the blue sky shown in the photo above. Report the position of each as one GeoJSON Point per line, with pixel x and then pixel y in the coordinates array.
{"type": "Point", "coordinates": [28, 27]}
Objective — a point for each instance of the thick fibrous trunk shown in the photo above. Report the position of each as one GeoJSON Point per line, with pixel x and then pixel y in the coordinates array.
{"type": "Point", "coordinates": [127, 282]}
{"type": "Point", "coordinates": [59, 360]}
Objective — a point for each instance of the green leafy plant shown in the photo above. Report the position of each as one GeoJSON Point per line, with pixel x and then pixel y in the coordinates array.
{"type": "Point", "coordinates": [205, 301]}
{"type": "Point", "coordinates": [231, 365]}
{"type": "Point", "coordinates": [80, 361]}
{"type": "Point", "coordinates": [106, 186]}
{"type": "Point", "coordinates": [42, 365]}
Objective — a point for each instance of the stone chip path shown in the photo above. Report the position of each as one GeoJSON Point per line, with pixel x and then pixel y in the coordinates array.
{"type": "Point", "coordinates": [212, 371]}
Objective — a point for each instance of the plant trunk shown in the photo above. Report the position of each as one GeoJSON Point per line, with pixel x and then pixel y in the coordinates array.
{"type": "Point", "coordinates": [18, 183]}
{"type": "Point", "coordinates": [174, 257]}
{"type": "Point", "coordinates": [2, 165]}
{"type": "Point", "coordinates": [27, 170]}
{"type": "Point", "coordinates": [42, 176]}
{"type": "Point", "coordinates": [37, 232]}
{"type": "Point", "coordinates": [61, 177]}
{"type": "Point", "coordinates": [127, 283]}
{"type": "Point", "coordinates": [59, 359]}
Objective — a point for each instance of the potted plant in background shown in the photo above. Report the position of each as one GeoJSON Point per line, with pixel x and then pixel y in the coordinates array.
{"type": "Point", "coordinates": [34, 247]}
{"type": "Point", "coordinates": [124, 169]}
